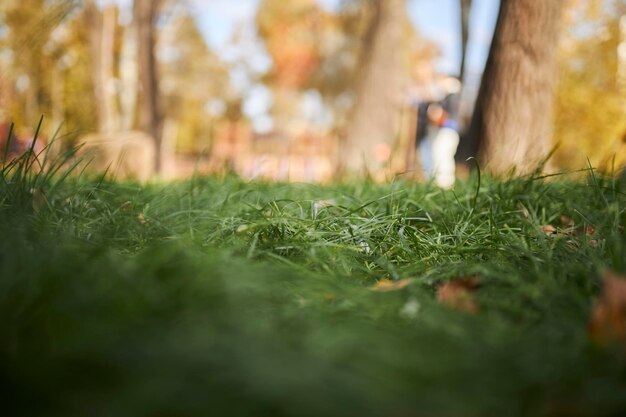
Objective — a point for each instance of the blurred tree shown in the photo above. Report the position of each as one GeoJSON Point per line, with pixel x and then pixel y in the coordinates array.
{"type": "Point", "coordinates": [195, 83]}
{"type": "Point", "coordinates": [102, 28]}
{"type": "Point", "coordinates": [590, 116]}
{"type": "Point", "coordinates": [27, 29]}
{"type": "Point", "coordinates": [290, 33]}
{"type": "Point", "coordinates": [78, 114]}
{"type": "Point", "coordinates": [146, 13]}
{"type": "Point", "coordinates": [372, 125]}
{"type": "Point", "coordinates": [465, 7]}
{"type": "Point", "coordinates": [313, 49]}
{"type": "Point", "coordinates": [513, 115]}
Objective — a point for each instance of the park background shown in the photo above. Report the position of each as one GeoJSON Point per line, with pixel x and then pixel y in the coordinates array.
{"type": "Point", "coordinates": [281, 89]}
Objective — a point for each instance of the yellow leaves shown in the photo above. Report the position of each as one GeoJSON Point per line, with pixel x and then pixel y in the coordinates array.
{"type": "Point", "coordinates": [607, 324]}
{"type": "Point", "coordinates": [457, 294]}
{"type": "Point", "coordinates": [387, 285]}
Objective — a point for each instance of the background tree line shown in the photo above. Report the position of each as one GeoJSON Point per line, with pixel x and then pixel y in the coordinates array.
{"type": "Point", "coordinates": [551, 77]}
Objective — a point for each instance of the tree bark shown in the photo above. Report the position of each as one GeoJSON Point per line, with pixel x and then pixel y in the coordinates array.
{"type": "Point", "coordinates": [513, 116]}
{"type": "Point", "coordinates": [466, 7]}
{"type": "Point", "coordinates": [129, 75]}
{"type": "Point", "coordinates": [150, 114]}
{"type": "Point", "coordinates": [371, 128]}
{"type": "Point", "coordinates": [101, 26]}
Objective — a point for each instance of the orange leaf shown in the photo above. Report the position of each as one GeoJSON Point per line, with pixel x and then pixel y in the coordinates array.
{"type": "Point", "coordinates": [457, 294]}
{"type": "Point", "coordinates": [608, 318]}
{"type": "Point", "coordinates": [386, 285]}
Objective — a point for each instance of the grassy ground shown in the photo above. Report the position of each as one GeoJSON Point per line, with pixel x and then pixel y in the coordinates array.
{"type": "Point", "coordinates": [214, 297]}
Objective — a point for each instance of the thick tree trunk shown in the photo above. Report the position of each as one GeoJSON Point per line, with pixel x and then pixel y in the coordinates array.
{"type": "Point", "coordinates": [372, 126]}
{"type": "Point", "coordinates": [513, 116]}
{"type": "Point", "coordinates": [150, 114]}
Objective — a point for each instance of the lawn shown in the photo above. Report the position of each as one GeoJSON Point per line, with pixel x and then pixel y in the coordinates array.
{"type": "Point", "coordinates": [221, 297]}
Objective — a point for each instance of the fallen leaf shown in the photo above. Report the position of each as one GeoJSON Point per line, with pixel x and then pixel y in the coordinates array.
{"type": "Point", "coordinates": [608, 318]}
{"type": "Point", "coordinates": [590, 230]}
{"type": "Point", "coordinates": [567, 221]}
{"type": "Point", "coordinates": [386, 285]}
{"type": "Point", "coordinates": [141, 218]}
{"type": "Point", "coordinates": [457, 294]}
{"type": "Point", "coordinates": [549, 230]}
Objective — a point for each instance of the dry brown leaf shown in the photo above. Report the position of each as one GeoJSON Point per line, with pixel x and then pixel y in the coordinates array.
{"type": "Point", "coordinates": [386, 285]}
{"type": "Point", "coordinates": [567, 221]}
{"type": "Point", "coordinates": [457, 294]}
{"type": "Point", "coordinates": [141, 218]}
{"type": "Point", "coordinates": [590, 230]}
{"type": "Point", "coordinates": [608, 318]}
{"type": "Point", "coordinates": [549, 230]}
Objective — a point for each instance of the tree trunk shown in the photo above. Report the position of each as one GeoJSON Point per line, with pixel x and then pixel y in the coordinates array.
{"type": "Point", "coordinates": [101, 44]}
{"type": "Point", "coordinates": [513, 116]}
{"type": "Point", "coordinates": [129, 78]}
{"type": "Point", "coordinates": [466, 7]}
{"type": "Point", "coordinates": [150, 114]}
{"type": "Point", "coordinates": [372, 124]}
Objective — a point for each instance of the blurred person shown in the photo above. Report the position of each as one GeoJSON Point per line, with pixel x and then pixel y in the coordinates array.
{"type": "Point", "coordinates": [446, 140]}
{"type": "Point", "coordinates": [424, 97]}
{"type": "Point", "coordinates": [429, 116]}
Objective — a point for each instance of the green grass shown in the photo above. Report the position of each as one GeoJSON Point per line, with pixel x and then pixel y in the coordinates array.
{"type": "Point", "coordinates": [220, 297]}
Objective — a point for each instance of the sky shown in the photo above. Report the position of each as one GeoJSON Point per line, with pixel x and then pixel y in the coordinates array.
{"type": "Point", "coordinates": [437, 20]}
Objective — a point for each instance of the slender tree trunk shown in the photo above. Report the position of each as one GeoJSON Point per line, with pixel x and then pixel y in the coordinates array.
{"type": "Point", "coordinates": [150, 113]}
{"type": "Point", "coordinates": [513, 116]}
{"type": "Point", "coordinates": [466, 7]}
{"type": "Point", "coordinates": [372, 124]}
